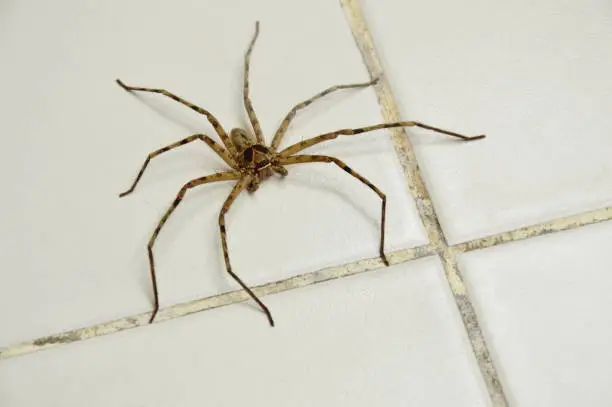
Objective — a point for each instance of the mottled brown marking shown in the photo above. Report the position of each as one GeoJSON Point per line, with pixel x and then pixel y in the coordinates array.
{"type": "Point", "coordinates": [248, 155]}
{"type": "Point", "coordinates": [261, 148]}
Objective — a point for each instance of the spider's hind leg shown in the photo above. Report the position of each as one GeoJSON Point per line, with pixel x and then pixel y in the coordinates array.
{"type": "Point", "coordinates": [302, 159]}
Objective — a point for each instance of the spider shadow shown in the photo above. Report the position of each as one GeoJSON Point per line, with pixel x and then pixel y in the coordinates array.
{"type": "Point", "coordinates": [158, 103]}
{"type": "Point", "coordinates": [190, 165]}
{"type": "Point", "coordinates": [304, 181]}
{"type": "Point", "coordinates": [225, 283]}
{"type": "Point", "coordinates": [244, 122]}
{"type": "Point", "coordinates": [170, 236]}
{"type": "Point", "coordinates": [190, 207]}
{"type": "Point", "coordinates": [181, 119]}
{"type": "Point", "coordinates": [316, 111]}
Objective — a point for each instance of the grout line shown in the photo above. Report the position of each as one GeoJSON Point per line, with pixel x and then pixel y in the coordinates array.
{"type": "Point", "coordinates": [553, 226]}
{"type": "Point", "coordinates": [322, 275]}
{"type": "Point", "coordinates": [416, 185]}
{"type": "Point", "coordinates": [233, 297]}
{"type": "Point", "coordinates": [327, 274]}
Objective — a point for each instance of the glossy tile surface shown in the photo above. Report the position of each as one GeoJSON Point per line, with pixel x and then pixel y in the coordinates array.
{"type": "Point", "coordinates": [533, 76]}
{"type": "Point", "coordinates": [545, 307]}
{"type": "Point", "coordinates": [383, 337]}
{"type": "Point", "coordinates": [74, 254]}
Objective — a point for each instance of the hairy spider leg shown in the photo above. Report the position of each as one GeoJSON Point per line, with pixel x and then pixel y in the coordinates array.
{"type": "Point", "coordinates": [221, 152]}
{"type": "Point", "coordinates": [238, 188]}
{"type": "Point", "coordinates": [297, 147]}
{"type": "Point", "coordinates": [248, 105]}
{"type": "Point", "coordinates": [211, 118]}
{"type": "Point", "coordinates": [291, 115]}
{"type": "Point", "coordinates": [220, 176]}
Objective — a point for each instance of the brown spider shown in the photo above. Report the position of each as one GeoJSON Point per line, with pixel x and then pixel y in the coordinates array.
{"type": "Point", "coordinates": [252, 161]}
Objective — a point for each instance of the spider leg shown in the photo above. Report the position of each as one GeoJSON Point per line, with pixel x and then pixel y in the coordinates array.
{"type": "Point", "coordinates": [221, 152]}
{"type": "Point", "coordinates": [221, 176]}
{"type": "Point", "coordinates": [290, 116]}
{"type": "Point", "coordinates": [247, 100]}
{"type": "Point", "coordinates": [351, 132]}
{"type": "Point", "coordinates": [238, 188]}
{"type": "Point", "coordinates": [301, 159]}
{"type": "Point", "coordinates": [212, 119]}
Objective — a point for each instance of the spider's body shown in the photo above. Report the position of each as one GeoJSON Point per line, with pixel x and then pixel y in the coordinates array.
{"type": "Point", "coordinates": [251, 161]}
{"type": "Point", "coordinates": [255, 159]}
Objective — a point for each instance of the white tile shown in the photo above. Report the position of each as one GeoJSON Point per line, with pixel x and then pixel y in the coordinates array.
{"type": "Point", "coordinates": [533, 76]}
{"type": "Point", "coordinates": [545, 306]}
{"type": "Point", "coordinates": [73, 253]}
{"type": "Point", "coordinates": [381, 338]}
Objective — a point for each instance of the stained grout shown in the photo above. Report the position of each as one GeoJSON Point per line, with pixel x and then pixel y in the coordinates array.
{"type": "Point", "coordinates": [425, 207]}
{"type": "Point", "coordinates": [216, 301]}
{"type": "Point", "coordinates": [303, 280]}
{"type": "Point", "coordinates": [553, 226]}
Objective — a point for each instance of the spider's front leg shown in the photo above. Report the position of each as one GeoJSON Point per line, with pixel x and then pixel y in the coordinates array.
{"type": "Point", "coordinates": [248, 105]}
{"type": "Point", "coordinates": [297, 147]}
{"type": "Point", "coordinates": [295, 109]}
{"type": "Point", "coordinates": [210, 142]}
{"type": "Point", "coordinates": [211, 118]}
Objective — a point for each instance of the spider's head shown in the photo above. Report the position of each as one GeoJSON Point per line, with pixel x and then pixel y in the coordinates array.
{"type": "Point", "coordinates": [241, 139]}
{"type": "Point", "coordinates": [255, 157]}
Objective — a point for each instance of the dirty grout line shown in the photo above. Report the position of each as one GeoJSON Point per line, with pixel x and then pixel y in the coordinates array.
{"type": "Point", "coordinates": [326, 274]}
{"type": "Point", "coordinates": [216, 301]}
{"type": "Point", "coordinates": [417, 187]}
{"type": "Point", "coordinates": [552, 226]}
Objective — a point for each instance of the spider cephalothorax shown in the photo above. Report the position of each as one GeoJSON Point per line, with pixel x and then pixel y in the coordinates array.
{"type": "Point", "coordinates": [255, 158]}
{"type": "Point", "coordinates": [251, 161]}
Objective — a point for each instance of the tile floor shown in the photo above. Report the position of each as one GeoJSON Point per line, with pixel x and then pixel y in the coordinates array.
{"type": "Point", "coordinates": [533, 76]}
